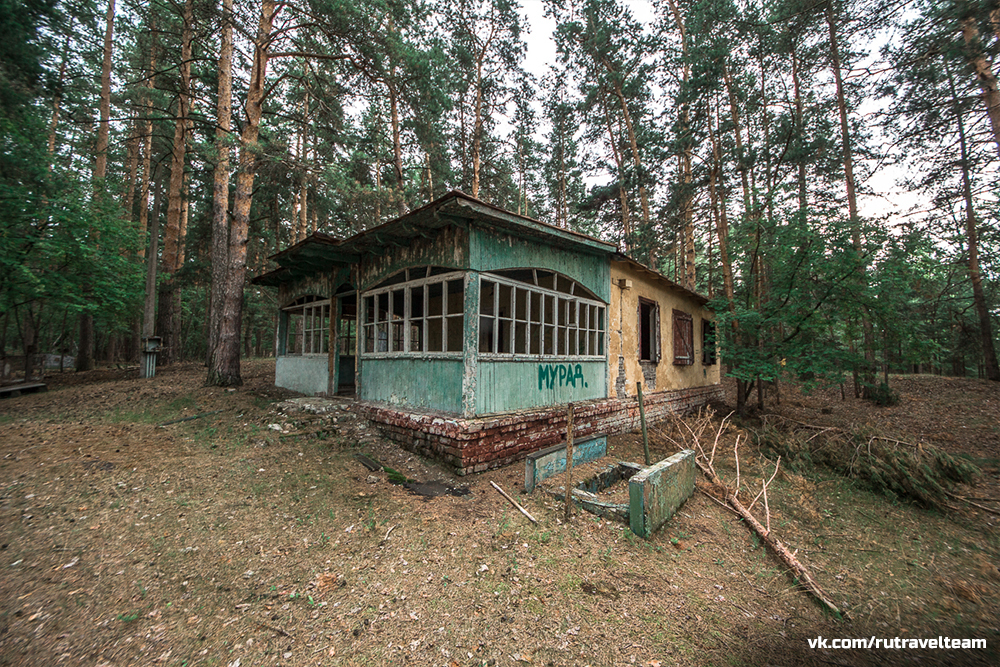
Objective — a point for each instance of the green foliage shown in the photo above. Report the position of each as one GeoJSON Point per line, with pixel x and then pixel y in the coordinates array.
{"type": "Point", "coordinates": [923, 474]}
{"type": "Point", "coordinates": [882, 395]}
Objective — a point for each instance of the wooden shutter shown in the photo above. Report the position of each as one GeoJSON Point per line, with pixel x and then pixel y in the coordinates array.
{"type": "Point", "coordinates": [655, 333]}
{"type": "Point", "coordinates": [683, 338]}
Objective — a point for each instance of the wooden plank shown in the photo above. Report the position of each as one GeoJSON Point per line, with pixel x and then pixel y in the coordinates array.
{"type": "Point", "coordinates": [15, 390]}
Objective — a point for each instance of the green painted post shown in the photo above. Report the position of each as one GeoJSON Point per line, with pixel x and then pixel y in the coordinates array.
{"type": "Point", "coordinates": [470, 345]}
{"type": "Point", "coordinates": [642, 420]}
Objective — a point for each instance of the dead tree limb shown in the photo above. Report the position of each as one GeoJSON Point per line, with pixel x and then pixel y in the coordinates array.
{"type": "Point", "coordinates": [976, 505]}
{"type": "Point", "coordinates": [779, 549]}
{"type": "Point", "coordinates": [514, 503]}
{"type": "Point", "coordinates": [704, 462]}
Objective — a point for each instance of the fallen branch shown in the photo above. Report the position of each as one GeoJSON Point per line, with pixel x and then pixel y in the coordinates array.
{"type": "Point", "coordinates": [275, 629]}
{"type": "Point", "coordinates": [187, 419]}
{"type": "Point", "coordinates": [976, 505]}
{"type": "Point", "coordinates": [514, 503]}
{"type": "Point", "coordinates": [779, 549]}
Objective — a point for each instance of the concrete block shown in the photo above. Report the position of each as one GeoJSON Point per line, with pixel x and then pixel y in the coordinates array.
{"type": "Point", "coordinates": [658, 491]}
{"type": "Point", "coordinates": [552, 460]}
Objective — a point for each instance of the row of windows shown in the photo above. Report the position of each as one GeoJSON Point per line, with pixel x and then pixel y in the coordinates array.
{"type": "Point", "coordinates": [521, 319]}
{"type": "Point", "coordinates": [520, 313]}
{"type": "Point", "coordinates": [424, 315]}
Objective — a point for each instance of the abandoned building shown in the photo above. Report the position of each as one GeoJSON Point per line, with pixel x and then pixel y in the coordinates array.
{"type": "Point", "coordinates": [463, 330]}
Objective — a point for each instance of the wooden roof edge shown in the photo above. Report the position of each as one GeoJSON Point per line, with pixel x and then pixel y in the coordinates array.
{"type": "Point", "coordinates": [272, 278]}
{"type": "Point", "coordinates": [546, 227]}
{"type": "Point", "coordinates": [700, 298]}
{"type": "Point", "coordinates": [499, 213]}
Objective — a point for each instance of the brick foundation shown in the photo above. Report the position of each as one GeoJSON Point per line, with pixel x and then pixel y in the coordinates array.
{"type": "Point", "coordinates": [475, 445]}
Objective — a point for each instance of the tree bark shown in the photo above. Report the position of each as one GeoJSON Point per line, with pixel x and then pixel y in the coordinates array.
{"type": "Point", "coordinates": [85, 355]}
{"type": "Point", "coordinates": [971, 232]}
{"type": "Point", "coordinates": [169, 315]}
{"type": "Point", "coordinates": [147, 142]}
{"type": "Point", "coordinates": [57, 102]}
{"type": "Point", "coordinates": [687, 197]}
{"type": "Point", "coordinates": [622, 196]}
{"type": "Point", "coordinates": [867, 371]}
{"type": "Point", "coordinates": [103, 127]}
{"type": "Point", "coordinates": [149, 309]}
{"type": "Point", "coordinates": [984, 75]}
{"type": "Point", "coordinates": [225, 369]}
{"type": "Point", "coordinates": [220, 180]}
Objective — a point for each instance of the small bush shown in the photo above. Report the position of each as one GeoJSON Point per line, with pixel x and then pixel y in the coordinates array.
{"type": "Point", "coordinates": [882, 395]}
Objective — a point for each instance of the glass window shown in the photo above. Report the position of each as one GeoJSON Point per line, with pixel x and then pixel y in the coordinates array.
{"type": "Point", "coordinates": [308, 330]}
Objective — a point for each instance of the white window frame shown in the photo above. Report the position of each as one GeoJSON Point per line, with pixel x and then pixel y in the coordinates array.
{"type": "Point", "coordinates": [421, 325]}
{"type": "Point", "coordinates": [570, 326]}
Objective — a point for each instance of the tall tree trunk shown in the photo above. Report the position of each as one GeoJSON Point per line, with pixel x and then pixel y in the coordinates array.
{"type": "Point", "coordinates": [104, 125]}
{"type": "Point", "coordinates": [132, 168]}
{"type": "Point", "coordinates": [397, 143]}
{"type": "Point", "coordinates": [622, 196]}
{"type": "Point", "coordinates": [971, 232]}
{"type": "Point", "coordinates": [85, 355]}
{"type": "Point", "coordinates": [741, 166]}
{"type": "Point", "coordinates": [225, 369]}
{"type": "Point", "coordinates": [867, 371]}
{"type": "Point", "coordinates": [57, 102]}
{"type": "Point", "coordinates": [304, 186]}
{"type": "Point", "coordinates": [477, 128]}
{"type": "Point", "coordinates": [687, 197]}
{"type": "Point", "coordinates": [152, 262]}
{"type": "Point", "coordinates": [220, 180]}
{"type": "Point", "coordinates": [147, 142]}
{"type": "Point", "coordinates": [800, 136]}
{"type": "Point", "coordinates": [169, 315]}
{"type": "Point", "coordinates": [984, 74]}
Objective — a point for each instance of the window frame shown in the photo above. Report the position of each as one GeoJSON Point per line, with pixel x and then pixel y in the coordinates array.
{"type": "Point", "coordinates": [399, 333]}
{"type": "Point", "coordinates": [655, 351]}
{"type": "Point", "coordinates": [709, 348]}
{"type": "Point", "coordinates": [683, 325]}
{"type": "Point", "coordinates": [312, 324]}
{"type": "Point", "coordinates": [573, 321]}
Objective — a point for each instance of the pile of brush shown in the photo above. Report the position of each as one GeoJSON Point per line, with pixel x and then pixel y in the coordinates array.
{"type": "Point", "coordinates": [914, 472]}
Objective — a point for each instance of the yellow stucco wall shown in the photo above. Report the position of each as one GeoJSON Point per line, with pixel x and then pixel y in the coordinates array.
{"type": "Point", "coordinates": [623, 339]}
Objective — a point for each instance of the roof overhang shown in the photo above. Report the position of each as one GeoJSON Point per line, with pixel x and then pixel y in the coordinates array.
{"type": "Point", "coordinates": [642, 268]}
{"type": "Point", "coordinates": [323, 252]}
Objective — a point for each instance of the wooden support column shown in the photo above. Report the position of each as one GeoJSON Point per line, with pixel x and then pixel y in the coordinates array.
{"type": "Point", "coordinates": [333, 350]}
{"type": "Point", "coordinates": [470, 345]}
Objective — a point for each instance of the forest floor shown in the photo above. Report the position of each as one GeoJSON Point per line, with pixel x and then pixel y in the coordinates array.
{"type": "Point", "coordinates": [252, 536]}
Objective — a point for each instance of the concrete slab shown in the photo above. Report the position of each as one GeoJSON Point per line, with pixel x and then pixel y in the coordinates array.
{"type": "Point", "coordinates": [658, 491]}
{"type": "Point", "coordinates": [552, 460]}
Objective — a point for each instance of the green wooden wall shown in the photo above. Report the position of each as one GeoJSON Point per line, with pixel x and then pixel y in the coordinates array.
{"type": "Point", "coordinates": [506, 385]}
{"type": "Point", "coordinates": [449, 248]}
{"type": "Point", "coordinates": [427, 383]}
{"type": "Point", "coordinates": [491, 250]}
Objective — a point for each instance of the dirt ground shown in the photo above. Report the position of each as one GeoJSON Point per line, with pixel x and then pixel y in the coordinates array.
{"type": "Point", "coordinates": [253, 536]}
